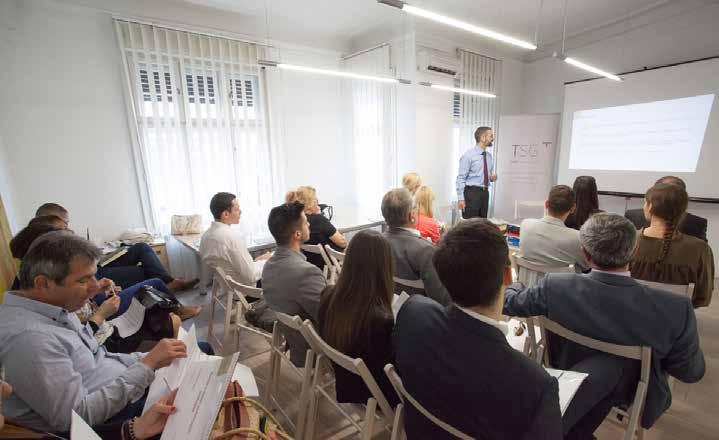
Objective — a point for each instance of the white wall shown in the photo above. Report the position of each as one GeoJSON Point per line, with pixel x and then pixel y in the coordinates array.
{"type": "Point", "coordinates": [689, 34]}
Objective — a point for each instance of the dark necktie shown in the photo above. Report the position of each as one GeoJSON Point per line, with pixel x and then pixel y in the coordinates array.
{"type": "Point", "coordinates": [486, 172]}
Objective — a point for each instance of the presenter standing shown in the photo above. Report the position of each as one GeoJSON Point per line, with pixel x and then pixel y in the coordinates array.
{"type": "Point", "coordinates": [476, 172]}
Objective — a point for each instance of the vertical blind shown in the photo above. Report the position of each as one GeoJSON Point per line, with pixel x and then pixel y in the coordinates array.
{"type": "Point", "coordinates": [373, 127]}
{"type": "Point", "coordinates": [201, 124]}
{"type": "Point", "coordinates": [479, 73]}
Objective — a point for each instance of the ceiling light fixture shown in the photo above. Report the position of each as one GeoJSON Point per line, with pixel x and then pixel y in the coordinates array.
{"type": "Point", "coordinates": [458, 90]}
{"type": "Point", "coordinates": [330, 72]}
{"type": "Point", "coordinates": [419, 12]}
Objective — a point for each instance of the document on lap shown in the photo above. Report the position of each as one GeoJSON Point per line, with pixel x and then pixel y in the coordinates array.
{"type": "Point", "coordinates": [569, 382]}
{"type": "Point", "coordinates": [130, 322]}
{"type": "Point", "coordinates": [397, 303]}
{"type": "Point", "coordinates": [80, 430]}
{"type": "Point", "coordinates": [199, 398]}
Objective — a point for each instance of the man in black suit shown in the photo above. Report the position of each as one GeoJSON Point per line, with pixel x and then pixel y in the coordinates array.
{"type": "Point", "coordinates": [456, 361]}
{"type": "Point", "coordinates": [607, 304]}
{"type": "Point", "coordinates": [691, 225]}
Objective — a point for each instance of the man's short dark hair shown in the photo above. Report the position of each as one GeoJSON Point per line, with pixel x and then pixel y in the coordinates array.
{"type": "Point", "coordinates": [396, 207]}
{"type": "Point", "coordinates": [284, 220]}
{"type": "Point", "coordinates": [470, 261]}
{"type": "Point", "coordinates": [21, 242]}
{"type": "Point", "coordinates": [560, 200]}
{"type": "Point", "coordinates": [672, 180]}
{"type": "Point", "coordinates": [221, 202]}
{"type": "Point", "coordinates": [479, 132]}
{"type": "Point", "coordinates": [51, 255]}
{"type": "Point", "coordinates": [50, 209]}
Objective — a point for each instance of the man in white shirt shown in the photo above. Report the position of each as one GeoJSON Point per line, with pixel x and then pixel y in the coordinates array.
{"type": "Point", "coordinates": [547, 240]}
{"type": "Point", "coordinates": [223, 247]}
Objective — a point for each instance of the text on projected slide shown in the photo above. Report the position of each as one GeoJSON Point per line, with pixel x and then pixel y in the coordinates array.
{"type": "Point", "coordinates": [663, 136]}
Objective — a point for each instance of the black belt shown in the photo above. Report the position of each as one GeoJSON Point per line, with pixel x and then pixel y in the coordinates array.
{"type": "Point", "coordinates": [475, 187]}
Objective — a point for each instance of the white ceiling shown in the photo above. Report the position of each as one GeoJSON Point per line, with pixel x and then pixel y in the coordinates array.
{"type": "Point", "coordinates": [334, 23]}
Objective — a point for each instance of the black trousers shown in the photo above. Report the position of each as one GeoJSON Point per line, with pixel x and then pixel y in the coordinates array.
{"type": "Point", "coordinates": [476, 202]}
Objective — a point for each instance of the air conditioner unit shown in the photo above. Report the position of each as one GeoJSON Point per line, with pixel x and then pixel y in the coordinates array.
{"type": "Point", "coordinates": [434, 63]}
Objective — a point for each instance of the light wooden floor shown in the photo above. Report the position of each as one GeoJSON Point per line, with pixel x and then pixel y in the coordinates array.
{"type": "Point", "coordinates": [694, 414]}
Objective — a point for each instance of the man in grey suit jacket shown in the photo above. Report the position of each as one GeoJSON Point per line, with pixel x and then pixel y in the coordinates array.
{"type": "Point", "coordinates": [412, 253]}
{"type": "Point", "coordinates": [607, 304]}
{"type": "Point", "coordinates": [547, 240]}
{"type": "Point", "coordinates": [290, 283]}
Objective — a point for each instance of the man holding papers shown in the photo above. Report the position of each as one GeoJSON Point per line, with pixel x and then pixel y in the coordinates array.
{"type": "Point", "coordinates": [456, 360]}
{"type": "Point", "coordinates": [53, 362]}
{"type": "Point", "coordinates": [608, 305]}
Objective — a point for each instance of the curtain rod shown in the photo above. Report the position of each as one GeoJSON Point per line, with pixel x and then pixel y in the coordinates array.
{"type": "Point", "coordinates": [363, 51]}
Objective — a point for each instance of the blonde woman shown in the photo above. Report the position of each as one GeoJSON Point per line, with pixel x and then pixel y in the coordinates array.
{"type": "Point", "coordinates": [412, 182]}
{"type": "Point", "coordinates": [427, 225]}
{"type": "Point", "coordinates": [321, 229]}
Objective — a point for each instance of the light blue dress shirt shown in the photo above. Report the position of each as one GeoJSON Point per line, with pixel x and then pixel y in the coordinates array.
{"type": "Point", "coordinates": [471, 169]}
{"type": "Point", "coordinates": [55, 366]}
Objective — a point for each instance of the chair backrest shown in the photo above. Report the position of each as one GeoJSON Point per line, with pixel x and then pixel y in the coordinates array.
{"type": "Point", "coordinates": [528, 273]}
{"type": "Point", "coordinates": [640, 353]}
{"type": "Point", "coordinates": [335, 256]}
{"type": "Point", "coordinates": [686, 290]}
{"type": "Point", "coordinates": [293, 322]}
{"type": "Point", "coordinates": [406, 396]}
{"type": "Point", "coordinates": [416, 284]}
{"type": "Point", "coordinates": [240, 291]}
{"type": "Point", "coordinates": [353, 365]}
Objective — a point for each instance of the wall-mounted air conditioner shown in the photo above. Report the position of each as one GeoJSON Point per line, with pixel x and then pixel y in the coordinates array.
{"type": "Point", "coordinates": [438, 63]}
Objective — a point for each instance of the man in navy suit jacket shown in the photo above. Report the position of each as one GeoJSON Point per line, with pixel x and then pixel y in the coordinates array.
{"type": "Point", "coordinates": [456, 361]}
{"type": "Point", "coordinates": [608, 305]}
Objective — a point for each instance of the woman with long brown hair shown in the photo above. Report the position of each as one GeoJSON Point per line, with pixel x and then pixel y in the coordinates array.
{"type": "Point", "coordinates": [356, 314]}
{"type": "Point", "coordinates": [587, 201]}
{"type": "Point", "coordinates": [664, 254]}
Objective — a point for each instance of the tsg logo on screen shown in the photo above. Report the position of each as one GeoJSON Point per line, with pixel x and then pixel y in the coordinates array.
{"type": "Point", "coordinates": [522, 151]}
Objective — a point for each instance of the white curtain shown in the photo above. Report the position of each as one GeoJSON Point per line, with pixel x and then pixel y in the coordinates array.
{"type": "Point", "coordinates": [372, 127]}
{"type": "Point", "coordinates": [479, 73]}
{"type": "Point", "coordinates": [201, 122]}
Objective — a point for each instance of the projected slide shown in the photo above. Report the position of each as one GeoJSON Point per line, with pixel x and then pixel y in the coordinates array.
{"type": "Point", "coordinates": [662, 136]}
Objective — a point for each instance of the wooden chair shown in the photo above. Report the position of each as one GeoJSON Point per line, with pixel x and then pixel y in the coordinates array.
{"type": "Point", "coordinates": [398, 425]}
{"type": "Point", "coordinates": [337, 258]}
{"type": "Point", "coordinates": [414, 284]}
{"type": "Point", "coordinates": [319, 250]}
{"type": "Point", "coordinates": [629, 419]}
{"type": "Point", "coordinates": [277, 355]}
{"type": "Point", "coordinates": [231, 296]}
{"type": "Point", "coordinates": [529, 273]}
{"type": "Point", "coordinates": [324, 352]}
{"type": "Point", "coordinates": [686, 290]}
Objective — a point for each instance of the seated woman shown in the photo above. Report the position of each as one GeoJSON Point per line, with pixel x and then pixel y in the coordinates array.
{"type": "Point", "coordinates": [321, 229]}
{"type": "Point", "coordinates": [411, 182]}
{"type": "Point", "coordinates": [587, 202]}
{"type": "Point", "coordinates": [97, 313]}
{"type": "Point", "coordinates": [427, 225]}
{"type": "Point", "coordinates": [664, 254]}
{"type": "Point", "coordinates": [356, 318]}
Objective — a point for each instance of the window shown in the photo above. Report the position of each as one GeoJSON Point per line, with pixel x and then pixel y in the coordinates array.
{"type": "Point", "coordinates": [201, 123]}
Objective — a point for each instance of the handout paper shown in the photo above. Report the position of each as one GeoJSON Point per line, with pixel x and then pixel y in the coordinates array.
{"type": "Point", "coordinates": [569, 382]}
{"type": "Point", "coordinates": [130, 322]}
{"type": "Point", "coordinates": [80, 430]}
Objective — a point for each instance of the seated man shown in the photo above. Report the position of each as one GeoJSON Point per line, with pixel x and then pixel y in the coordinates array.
{"type": "Point", "coordinates": [608, 305]}
{"type": "Point", "coordinates": [412, 254]}
{"type": "Point", "coordinates": [290, 283]}
{"type": "Point", "coordinates": [220, 246]}
{"type": "Point", "coordinates": [691, 225]}
{"type": "Point", "coordinates": [125, 270]}
{"type": "Point", "coordinates": [456, 360]}
{"type": "Point", "coordinates": [548, 241]}
{"type": "Point", "coordinates": [54, 362]}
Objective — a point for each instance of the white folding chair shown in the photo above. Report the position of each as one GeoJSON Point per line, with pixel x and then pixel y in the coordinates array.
{"type": "Point", "coordinates": [319, 250]}
{"type": "Point", "coordinates": [324, 351]}
{"type": "Point", "coordinates": [629, 419]}
{"type": "Point", "coordinates": [529, 273]}
{"type": "Point", "coordinates": [686, 290]}
{"type": "Point", "coordinates": [337, 258]}
{"type": "Point", "coordinates": [398, 431]}
{"type": "Point", "coordinates": [277, 355]}
{"type": "Point", "coordinates": [415, 284]}
{"type": "Point", "coordinates": [231, 296]}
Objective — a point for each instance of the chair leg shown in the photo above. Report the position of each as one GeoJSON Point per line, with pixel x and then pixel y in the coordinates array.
{"type": "Point", "coordinates": [304, 394]}
{"type": "Point", "coordinates": [368, 428]}
{"type": "Point", "coordinates": [211, 324]}
{"type": "Point", "coordinates": [398, 425]}
{"type": "Point", "coordinates": [228, 318]}
{"type": "Point", "coordinates": [314, 400]}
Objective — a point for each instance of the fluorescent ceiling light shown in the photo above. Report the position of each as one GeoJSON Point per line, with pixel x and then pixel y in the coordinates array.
{"type": "Point", "coordinates": [466, 26]}
{"type": "Point", "coordinates": [336, 73]}
{"type": "Point", "coordinates": [465, 91]}
{"type": "Point", "coordinates": [592, 69]}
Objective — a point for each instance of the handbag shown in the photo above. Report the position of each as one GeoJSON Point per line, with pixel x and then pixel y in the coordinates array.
{"type": "Point", "coordinates": [243, 418]}
{"type": "Point", "coordinates": [158, 305]}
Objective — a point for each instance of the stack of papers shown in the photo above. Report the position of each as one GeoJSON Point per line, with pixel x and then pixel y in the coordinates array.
{"type": "Point", "coordinates": [569, 382]}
